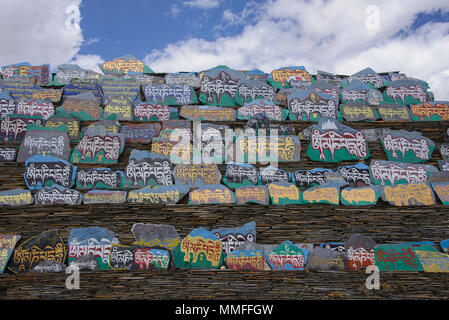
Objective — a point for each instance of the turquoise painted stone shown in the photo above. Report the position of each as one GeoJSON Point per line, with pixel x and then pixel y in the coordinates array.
{"type": "Point", "coordinates": [118, 107]}
{"type": "Point", "coordinates": [391, 172]}
{"type": "Point", "coordinates": [357, 175]}
{"type": "Point", "coordinates": [430, 111]}
{"type": "Point", "coordinates": [287, 256]}
{"type": "Point", "coordinates": [264, 106]}
{"type": "Point", "coordinates": [240, 175]}
{"type": "Point", "coordinates": [41, 75]}
{"type": "Point", "coordinates": [282, 193]}
{"type": "Point", "coordinates": [81, 89]}
{"type": "Point", "coordinates": [148, 112]}
{"type": "Point", "coordinates": [367, 76]}
{"type": "Point", "coordinates": [396, 257]}
{"type": "Point", "coordinates": [406, 92]}
{"type": "Point", "coordinates": [124, 65]}
{"type": "Point", "coordinates": [95, 241]}
{"type": "Point", "coordinates": [16, 197]}
{"type": "Point", "coordinates": [99, 178]}
{"type": "Point", "coordinates": [120, 86]}
{"type": "Point", "coordinates": [409, 194]}
{"type": "Point", "coordinates": [332, 141]}
{"type": "Point", "coordinates": [200, 249]}
{"type": "Point", "coordinates": [72, 124]}
{"type": "Point", "coordinates": [219, 86]}
{"type": "Point", "coordinates": [46, 171]}
{"type": "Point", "coordinates": [406, 146]}
{"type": "Point", "coordinates": [309, 105]}
{"type": "Point", "coordinates": [252, 194]}
{"type": "Point", "coordinates": [158, 195]}
{"type": "Point", "coordinates": [231, 238]}
{"type": "Point", "coordinates": [7, 244]}
{"type": "Point", "coordinates": [169, 94]}
{"type": "Point", "coordinates": [329, 194]}
{"type": "Point", "coordinates": [138, 258]}
{"type": "Point", "coordinates": [358, 111]}
{"type": "Point", "coordinates": [310, 178]}
{"type": "Point", "coordinates": [272, 174]}
{"type": "Point", "coordinates": [356, 91]}
{"type": "Point", "coordinates": [442, 191]}
{"type": "Point", "coordinates": [211, 194]}
{"type": "Point", "coordinates": [394, 112]}
{"type": "Point", "coordinates": [363, 196]}
{"type": "Point", "coordinates": [248, 90]}
{"type": "Point", "coordinates": [84, 106]}
{"type": "Point", "coordinates": [281, 78]}
{"type": "Point", "coordinates": [335, 179]}
{"type": "Point", "coordinates": [68, 73]}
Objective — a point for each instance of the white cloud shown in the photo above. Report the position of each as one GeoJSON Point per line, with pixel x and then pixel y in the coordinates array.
{"type": "Point", "coordinates": [328, 35]}
{"type": "Point", "coordinates": [88, 61]}
{"type": "Point", "coordinates": [37, 32]}
{"type": "Point", "coordinates": [202, 4]}
{"type": "Point", "coordinates": [174, 10]}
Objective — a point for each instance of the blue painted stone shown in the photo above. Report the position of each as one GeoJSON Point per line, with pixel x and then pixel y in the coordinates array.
{"type": "Point", "coordinates": [99, 178]}
{"type": "Point", "coordinates": [16, 197]}
{"type": "Point", "coordinates": [287, 256]}
{"type": "Point", "coordinates": [169, 94]}
{"type": "Point", "coordinates": [357, 175]}
{"type": "Point", "coordinates": [356, 91]}
{"type": "Point", "coordinates": [445, 246]}
{"type": "Point", "coordinates": [309, 105]}
{"type": "Point", "coordinates": [310, 178]}
{"type": "Point", "coordinates": [367, 76]}
{"type": "Point", "coordinates": [240, 175]}
{"type": "Point", "coordinates": [250, 90]}
{"type": "Point", "coordinates": [83, 86]}
{"type": "Point", "coordinates": [272, 174]}
{"type": "Point", "coordinates": [219, 85]}
{"type": "Point", "coordinates": [45, 171]}
{"type": "Point", "coordinates": [231, 238]}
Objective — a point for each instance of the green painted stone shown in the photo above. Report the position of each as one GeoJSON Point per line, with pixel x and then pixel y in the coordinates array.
{"type": "Point", "coordinates": [248, 90]}
{"type": "Point", "coordinates": [363, 196]}
{"type": "Point", "coordinates": [118, 107]}
{"type": "Point", "coordinates": [430, 111]}
{"type": "Point", "coordinates": [367, 76]}
{"type": "Point", "coordinates": [219, 85]}
{"type": "Point", "coordinates": [406, 92]}
{"type": "Point", "coordinates": [169, 94]}
{"type": "Point", "coordinates": [356, 91]}
{"type": "Point", "coordinates": [406, 146]}
{"type": "Point", "coordinates": [240, 175]}
{"type": "Point", "coordinates": [358, 111]}
{"type": "Point", "coordinates": [148, 112]}
{"type": "Point", "coordinates": [280, 78]}
{"type": "Point", "coordinates": [264, 106]}
{"type": "Point", "coordinates": [396, 257]}
{"type": "Point", "coordinates": [200, 249]}
{"type": "Point", "coordinates": [84, 106]}
{"type": "Point", "coordinates": [391, 172]}
{"type": "Point", "coordinates": [332, 141]}
{"type": "Point", "coordinates": [309, 105]}
{"type": "Point", "coordinates": [287, 256]}
{"type": "Point", "coordinates": [99, 178]}
{"type": "Point", "coordinates": [282, 193]}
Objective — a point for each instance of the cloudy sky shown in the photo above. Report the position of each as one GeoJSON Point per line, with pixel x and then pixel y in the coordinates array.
{"type": "Point", "coordinates": [341, 36]}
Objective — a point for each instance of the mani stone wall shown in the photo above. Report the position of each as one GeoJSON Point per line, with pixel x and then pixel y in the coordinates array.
{"type": "Point", "coordinates": [301, 223]}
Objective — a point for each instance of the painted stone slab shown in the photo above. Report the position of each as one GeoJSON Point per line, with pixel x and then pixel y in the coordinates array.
{"type": "Point", "coordinates": [287, 256]}
{"type": "Point", "coordinates": [123, 65]}
{"type": "Point", "coordinates": [335, 179]}
{"type": "Point", "coordinates": [147, 169]}
{"type": "Point", "coordinates": [309, 105]}
{"type": "Point", "coordinates": [374, 97]}
{"type": "Point", "coordinates": [282, 193]}
{"type": "Point", "coordinates": [13, 128]}
{"type": "Point", "coordinates": [118, 107]}
{"type": "Point", "coordinates": [200, 249]}
{"type": "Point", "coordinates": [142, 78]}
{"type": "Point", "coordinates": [240, 175]}
{"type": "Point", "coordinates": [156, 235]}
{"type": "Point", "coordinates": [256, 75]}
{"type": "Point", "coordinates": [16, 197]}
{"type": "Point", "coordinates": [46, 246]}
{"type": "Point", "coordinates": [87, 262]}
{"type": "Point", "coordinates": [34, 107]}
{"type": "Point", "coordinates": [438, 177]}
{"type": "Point", "coordinates": [7, 105]}
{"type": "Point", "coordinates": [72, 124]}
{"type": "Point", "coordinates": [197, 175]}
{"type": "Point", "coordinates": [231, 238]}
{"type": "Point", "coordinates": [169, 94]}
{"type": "Point", "coordinates": [264, 106]}
{"type": "Point", "coordinates": [41, 74]}
{"type": "Point", "coordinates": [282, 95]}
{"type": "Point", "coordinates": [444, 244]}
{"type": "Point", "coordinates": [334, 246]}
{"type": "Point", "coordinates": [82, 88]}
{"type": "Point", "coordinates": [177, 151]}
{"type": "Point", "coordinates": [372, 134]}
{"type": "Point", "coordinates": [211, 194]}
{"type": "Point", "coordinates": [248, 90]}
{"type": "Point", "coordinates": [19, 90]}
{"type": "Point", "coordinates": [95, 241]}
{"type": "Point", "coordinates": [98, 146]}
{"type": "Point", "coordinates": [176, 124]}
{"type": "Point", "coordinates": [282, 129]}
{"type": "Point", "coordinates": [264, 149]}
{"type": "Point", "coordinates": [394, 112]}
{"type": "Point", "coordinates": [118, 86]}
{"type": "Point", "coordinates": [67, 73]}
{"type": "Point", "coordinates": [104, 196]}
{"type": "Point", "coordinates": [44, 141]}
{"type": "Point", "coordinates": [443, 165]}
{"type": "Point", "coordinates": [324, 87]}
{"type": "Point", "coordinates": [433, 261]}
{"type": "Point", "coordinates": [357, 175]}
{"type": "Point", "coordinates": [45, 171]}
{"type": "Point", "coordinates": [360, 252]}
{"type": "Point", "coordinates": [407, 146]}
{"type": "Point", "coordinates": [322, 194]}
{"type": "Point", "coordinates": [396, 257]}
{"type": "Point", "coordinates": [388, 172]}
{"type": "Point", "coordinates": [245, 260]}
{"type": "Point", "coordinates": [146, 112]}
{"type": "Point", "coordinates": [183, 79]}
{"type": "Point", "coordinates": [109, 124]}
{"type": "Point", "coordinates": [83, 106]}
{"type": "Point", "coordinates": [430, 111]}
{"type": "Point", "coordinates": [252, 194]}
{"type": "Point", "coordinates": [358, 111]}
{"type": "Point", "coordinates": [444, 151]}
{"type": "Point", "coordinates": [271, 174]}
{"type": "Point", "coordinates": [367, 76]}
{"type": "Point", "coordinates": [280, 78]}
{"type": "Point", "coordinates": [48, 266]}
{"type": "Point", "coordinates": [7, 245]}
{"type": "Point", "coordinates": [310, 178]}
{"type": "Point", "coordinates": [138, 258]}
{"type": "Point", "coordinates": [327, 260]}
{"type": "Point", "coordinates": [158, 195]}
{"type": "Point", "coordinates": [211, 143]}
{"type": "Point", "coordinates": [363, 196]}
{"type": "Point", "coordinates": [356, 91]}
{"type": "Point", "coordinates": [409, 194]}
{"type": "Point", "coordinates": [207, 113]}
{"type": "Point", "coordinates": [57, 195]}
{"type": "Point", "coordinates": [99, 178]}
{"type": "Point", "coordinates": [219, 86]}
{"type": "Point", "coordinates": [405, 92]}
{"type": "Point", "coordinates": [442, 191]}
{"type": "Point", "coordinates": [141, 132]}
{"type": "Point", "coordinates": [332, 141]}
{"type": "Point", "coordinates": [8, 154]}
